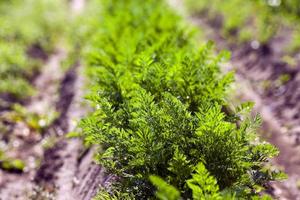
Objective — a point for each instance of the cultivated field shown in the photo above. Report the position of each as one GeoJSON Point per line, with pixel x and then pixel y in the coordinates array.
{"type": "Point", "coordinates": [131, 99]}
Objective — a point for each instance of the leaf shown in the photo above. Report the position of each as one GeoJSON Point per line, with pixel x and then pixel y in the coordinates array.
{"type": "Point", "coordinates": [165, 191]}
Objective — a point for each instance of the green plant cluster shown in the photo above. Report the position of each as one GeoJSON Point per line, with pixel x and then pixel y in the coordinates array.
{"type": "Point", "coordinates": [160, 115]}
{"type": "Point", "coordinates": [11, 164]}
{"type": "Point", "coordinates": [245, 21]}
{"type": "Point", "coordinates": [29, 30]}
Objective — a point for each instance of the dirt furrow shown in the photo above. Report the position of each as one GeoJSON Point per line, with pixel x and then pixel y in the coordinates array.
{"type": "Point", "coordinates": [47, 84]}
{"type": "Point", "coordinates": [72, 147]}
{"type": "Point", "coordinates": [68, 171]}
{"type": "Point", "coordinates": [90, 176]}
{"type": "Point", "coordinates": [58, 160]}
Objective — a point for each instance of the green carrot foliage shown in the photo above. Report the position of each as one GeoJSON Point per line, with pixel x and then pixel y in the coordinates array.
{"type": "Point", "coordinates": [159, 109]}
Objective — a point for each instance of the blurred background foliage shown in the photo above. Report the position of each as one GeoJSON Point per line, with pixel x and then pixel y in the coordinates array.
{"type": "Point", "coordinates": [29, 31]}
{"type": "Point", "coordinates": [241, 21]}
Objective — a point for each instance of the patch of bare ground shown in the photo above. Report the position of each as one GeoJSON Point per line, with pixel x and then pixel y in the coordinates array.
{"type": "Point", "coordinates": [259, 69]}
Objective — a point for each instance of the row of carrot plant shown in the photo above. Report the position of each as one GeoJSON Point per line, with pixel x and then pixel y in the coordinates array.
{"type": "Point", "coordinates": [161, 118]}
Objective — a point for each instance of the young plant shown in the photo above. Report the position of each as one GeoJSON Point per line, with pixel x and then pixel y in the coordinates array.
{"type": "Point", "coordinates": [160, 109]}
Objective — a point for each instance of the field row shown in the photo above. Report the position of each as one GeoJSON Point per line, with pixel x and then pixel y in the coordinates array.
{"type": "Point", "coordinates": [161, 117]}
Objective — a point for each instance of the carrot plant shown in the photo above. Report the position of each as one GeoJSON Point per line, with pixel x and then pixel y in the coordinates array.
{"type": "Point", "coordinates": [160, 115]}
